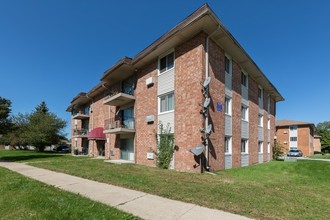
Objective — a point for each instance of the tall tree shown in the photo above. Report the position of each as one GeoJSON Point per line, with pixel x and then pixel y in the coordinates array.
{"type": "Point", "coordinates": [323, 129]}
{"type": "Point", "coordinates": [44, 128]}
{"type": "Point", "coordinates": [5, 110]}
{"type": "Point", "coordinates": [42, 108]}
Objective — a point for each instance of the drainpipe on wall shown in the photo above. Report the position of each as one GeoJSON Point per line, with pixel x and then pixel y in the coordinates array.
{"type": "Point", "coordinates": [207, 150]}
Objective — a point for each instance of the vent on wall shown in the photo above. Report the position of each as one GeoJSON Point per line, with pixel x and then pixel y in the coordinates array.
{"type": "Point", "coordinates": [285, 132]}
{"type": "Point", "coordinates": [150, 81]}
{"type": "Point", "coordinates": [285, 142]}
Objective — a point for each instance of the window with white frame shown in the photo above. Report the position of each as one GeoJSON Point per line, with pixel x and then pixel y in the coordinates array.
{"type": "Point", "coordinates": [268, 147]}
{"type": "Point", "coordinates": [244, 111]}
{"type": "Point", "coordinates": [244, 146]}
{"type": "Point", "coordinates": [228, 149]}
{"type": "Point", "coordinates": [166, 102]}
{"type": "Point", "coordinates": [293, 138]}
{"type": "Point", "coordinates": [260, 120]}
{"type": "Point", "coordinates": [227, 65]}
{"type": "Point", "coordinates": [244, 79]}
{"type": "Point", "coordinates": [166, 62]}
{"type": "Point", "coordinates": [268, 104]}
{"type": "Point", "coordinates": [228, 105]}
{"type": "Point", "coordinates": [260, 147]}
{"type": "Point", "coordinates": [260, 93]}
{"type": "Point", "coordinates": [268, 124]}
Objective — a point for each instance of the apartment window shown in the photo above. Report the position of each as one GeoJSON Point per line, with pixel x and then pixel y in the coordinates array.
{"type": "Point", "coordinates": [260, 147]}
{"type": "Point", "coordinates": [260, 93]}
{"type": "Point", "coordinates": [268, 104]}
{"type": "Point", "coordinates": [293, 139]}
{"type": "Point", "coordinates": [268, 147]}
{"type": "Point", "coordinates": [268, 124]}
{"type": "Point", "coordinates": [86, 110]}
{"type": "Point", "coordinates": [244, 111]}
{"type": "Point", "coordinates": [227, 65]}
{"type": "Point", "coordinates": [260, 120]}
{"type": "Point", "coordinates": [228, 145]}
{"type": "Point", "coordinates": [166, 62]}
{"type": "Point", "coordinates": [228, 105]}
{"type": "Point", "coordinates": [293, 128]}
{"type": "Point", "coordinates": [166, 102]}
{"type": "Point", "coordinates": [243, 79]}
{"type": "Point", "coordinates": [244, 146]}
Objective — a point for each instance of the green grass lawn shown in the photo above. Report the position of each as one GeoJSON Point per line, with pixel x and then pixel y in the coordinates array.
{"type": "Point", "coordinates": [23, 198]}
{"type": "Point", "coordinates": [320, 156]}
{"type": "Point", "coordinates": [275, 190]}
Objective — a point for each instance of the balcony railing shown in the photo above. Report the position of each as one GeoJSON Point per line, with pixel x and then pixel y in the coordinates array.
{"type": "Point", "coordinates": [80, 115]}
{"type": "Point", "coordinates": [119, 98]}
{"type": "Point", "coordinates": [119, 125]}
{"type": "Point", "coordinates": [80, 132]}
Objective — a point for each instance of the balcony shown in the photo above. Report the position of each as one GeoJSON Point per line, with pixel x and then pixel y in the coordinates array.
{"type": "Point", "coordinates": [80, 133]}
{"type": "Point", "coordinates": [119, 125]}
{"type": "Point", "coordinates": [118, 99]}
{"type": "Point", "coordinates": [80, 115]}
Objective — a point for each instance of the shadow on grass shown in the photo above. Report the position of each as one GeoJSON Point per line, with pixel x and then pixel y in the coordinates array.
{"type": "Point", "coordinates": [32, 156]}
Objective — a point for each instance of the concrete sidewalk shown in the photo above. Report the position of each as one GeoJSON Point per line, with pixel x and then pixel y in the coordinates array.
{"type": "Point", "coordinates": [137, 203]}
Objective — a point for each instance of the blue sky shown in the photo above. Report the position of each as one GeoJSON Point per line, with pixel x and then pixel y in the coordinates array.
{"type": "Point", "coordinates": [52, 50]}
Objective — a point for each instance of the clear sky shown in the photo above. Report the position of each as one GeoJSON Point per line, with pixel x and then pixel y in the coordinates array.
{"type": "Point", "coordinates": [52, 50]}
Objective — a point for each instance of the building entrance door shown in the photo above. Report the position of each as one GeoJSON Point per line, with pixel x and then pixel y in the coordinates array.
{"type": "Point", "coordinates": [127, 149]}
{"type": "Point", "coordinates": [100, 148]}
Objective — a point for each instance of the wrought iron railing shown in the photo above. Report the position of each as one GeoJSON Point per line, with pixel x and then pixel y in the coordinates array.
{"type": "Point", "coordinates": [80, 132]}
{"type": "Point", "coordinates": [119, 122]}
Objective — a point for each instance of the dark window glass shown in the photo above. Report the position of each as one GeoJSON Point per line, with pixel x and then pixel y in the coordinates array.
{"type": "Point", "coordinates": [170, 61]}
{"type": "Point", "coordinates": [162, 65]}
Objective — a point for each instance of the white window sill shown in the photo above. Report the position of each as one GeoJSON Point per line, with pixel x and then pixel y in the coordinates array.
{"type": "Point", "coordinates": [161, 73]}
{"type": "Point", "coordinates": [228, 154]}
{"type": "Point", "coordinates": [163, 113]}
{"type": "Point", "coordinates": [227, 114]}
{"type": "Point", "coordinates": [245, 120]}
{"type": "Point", "coordinates": [244, 153]}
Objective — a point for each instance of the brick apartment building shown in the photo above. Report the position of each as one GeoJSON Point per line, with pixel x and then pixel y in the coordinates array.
{"type": "Point", "coordinates": [194, 76]}
{"type": "Point", "coordinates": [296, 135]}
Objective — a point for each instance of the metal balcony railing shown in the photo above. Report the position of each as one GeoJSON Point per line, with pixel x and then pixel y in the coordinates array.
{"type": "Point", "coordinates": [80, 132]}
{"type": "Point", "coordinates": [119, 122]}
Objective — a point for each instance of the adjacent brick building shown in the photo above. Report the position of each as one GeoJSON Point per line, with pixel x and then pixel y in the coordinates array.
{"type": "Point", "coordinates": [194, 76]}
{"type": "Point", "coordinates": [296, 135]}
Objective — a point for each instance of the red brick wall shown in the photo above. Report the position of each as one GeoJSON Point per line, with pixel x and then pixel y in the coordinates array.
{"type": "Point", "coordinates": [217, 93]}
{"type": "Point", "coordinates": [146, 104]}
{"type": "Point", "coordinates": [236, 115]}
{"type": "Point", "coordinates": [303, 140]}
{"type": "Point", "coordinates": [253, 121]}
{"type": "Point", "coordinates": [282, 137]}
{"type": "Point", "coordinates": [189, 72]}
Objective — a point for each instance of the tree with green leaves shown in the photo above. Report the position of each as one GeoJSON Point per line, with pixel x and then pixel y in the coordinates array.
{"type": "Point", "coordinates": [323, 129]}
{"type": "Point", "coordinates": [5, 110]}
{"type": "Point", "coordinates": [44, 128]}
{"type": "Point", "coordinates": [40, 128]}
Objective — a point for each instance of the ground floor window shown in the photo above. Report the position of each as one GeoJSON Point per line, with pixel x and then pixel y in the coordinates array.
{"type": "Point", "coordinates": [244, 146]}
{"type": "Point", "coordinates": [228, 148]}
{"type": "Point", "coordinates": [260, 147]}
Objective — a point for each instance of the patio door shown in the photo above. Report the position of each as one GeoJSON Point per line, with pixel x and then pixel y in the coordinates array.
{"type": "Point", "coordinates": [128, 118]}
{"type": "Point", "coordinates": [127, 149]}
{"type": "Point", "coordinates": [100, 148]}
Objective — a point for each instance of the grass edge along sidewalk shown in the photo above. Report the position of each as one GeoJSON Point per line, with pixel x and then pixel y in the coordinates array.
{"type": "Point", "coordinates": [24, 198]}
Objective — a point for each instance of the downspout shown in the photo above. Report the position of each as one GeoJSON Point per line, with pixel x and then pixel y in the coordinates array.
{"type": "Point", "coordinates": [207, 150]}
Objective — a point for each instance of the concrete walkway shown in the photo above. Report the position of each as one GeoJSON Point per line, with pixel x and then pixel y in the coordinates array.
{"type": "Point", "coordinates": [141, 204]}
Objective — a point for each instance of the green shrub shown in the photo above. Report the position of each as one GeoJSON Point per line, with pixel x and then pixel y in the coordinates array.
{"type": "Point", "coordinates": [278, 151]}
{"type": "Point", "coordinates": [165, 147]}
